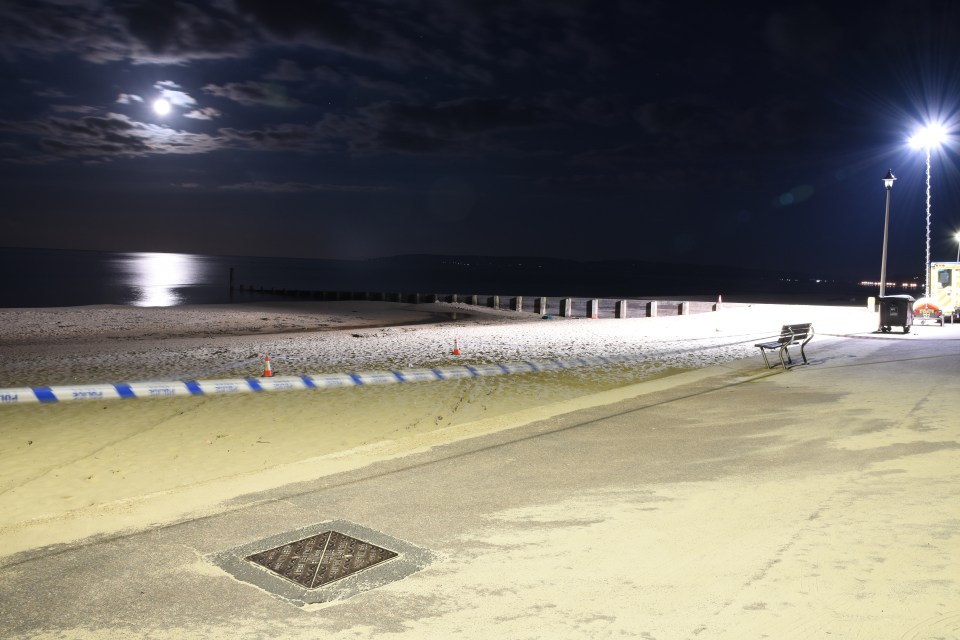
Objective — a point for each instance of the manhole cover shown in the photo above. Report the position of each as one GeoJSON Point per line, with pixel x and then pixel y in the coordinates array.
{"type": "Point", "coordinates": [321, 559]}
{"type": "Point", "coordinates": [322, 563]}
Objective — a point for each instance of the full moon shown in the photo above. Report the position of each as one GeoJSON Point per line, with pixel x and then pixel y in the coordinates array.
{"type": "Point", "coordinates": [161, 107]}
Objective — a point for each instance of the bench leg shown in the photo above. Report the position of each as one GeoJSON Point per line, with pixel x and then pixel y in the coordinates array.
{"type": "Point", "coordinates": [783, 350]}
{"type": "Point", "coordinates": [763, 352]}
{"type": "Point", "coordinates": [803, 354]}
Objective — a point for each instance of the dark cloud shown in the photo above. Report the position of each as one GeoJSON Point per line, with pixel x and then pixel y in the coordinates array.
{"type": "Point", "coordinates": [111, 136]}
{"type": "Point", "coordinates": [459, 40]}
{"type": "Point", "coordinates": [290, 72]}
{"type": "Point", "coordinates": [73, 108]}
{"type": "Point", "coordinates": [299, 187]}
{"type": "Point", "coordinates": [50, 93]}
{"type": "Point", "coordinates": [84, 28]}
{"type": "Point", "coordinates": [98, 31]}
{"type": "Point", "coordinates": [169, 31]}
{"type": "Point", "coordinates": [288, 137]}
{"type": "Point", "coordinates": [253, 93]}
{"type": "Point", "coordinates": [287, 71]}
{"type": "Point", "coordinates": [331, 24]}
{"type": "Point", "coordinates": [391, 34]}
{"type": "Point", "coordinates": [108, 137]}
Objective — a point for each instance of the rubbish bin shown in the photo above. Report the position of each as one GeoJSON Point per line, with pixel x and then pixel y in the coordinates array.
{"type": "Point", "coordinates": [896, 311]}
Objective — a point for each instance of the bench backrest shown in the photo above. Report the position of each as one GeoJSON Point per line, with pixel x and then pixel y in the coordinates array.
{"type": "Point", "coordinates": [791, 333]}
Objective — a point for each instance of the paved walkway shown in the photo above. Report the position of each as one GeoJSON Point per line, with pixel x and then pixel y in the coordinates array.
{"type": "Point", "coordinates": [733, 503]}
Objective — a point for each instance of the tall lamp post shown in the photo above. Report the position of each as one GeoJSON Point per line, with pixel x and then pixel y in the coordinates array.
{"type": "Point", "coordinates": [957, 238]}
{"type": "Point", "coordinates": [927, 138]}
{"type": "Point", "coordinates": [888, 183]}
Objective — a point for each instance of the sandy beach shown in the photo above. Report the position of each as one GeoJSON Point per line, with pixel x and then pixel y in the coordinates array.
{"type": "Point", "coordinates": [101, 462]}
{"type": "Point", "coordinates": [81, 471]}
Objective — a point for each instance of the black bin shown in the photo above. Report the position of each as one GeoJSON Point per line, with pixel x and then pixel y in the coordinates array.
{"type": "Point", "coordinates": [896, 311]}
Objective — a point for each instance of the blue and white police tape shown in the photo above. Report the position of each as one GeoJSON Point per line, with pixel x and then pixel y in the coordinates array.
{"type": "Point", "coordinates": [131, 390]}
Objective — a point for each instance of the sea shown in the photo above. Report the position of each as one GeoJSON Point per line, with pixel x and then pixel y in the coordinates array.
{"type": "Point", "coordinates": [65, 278]}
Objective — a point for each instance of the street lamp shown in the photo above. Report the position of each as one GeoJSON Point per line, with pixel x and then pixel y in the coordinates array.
{"type": "Point", "coordinates": [888, 183]}
{"type": "Point", "coordinates": [927, 138]}
{"type": "Point", "coordinates": [957, 238]}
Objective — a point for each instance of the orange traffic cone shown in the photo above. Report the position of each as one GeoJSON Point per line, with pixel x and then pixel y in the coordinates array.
{"type": "Point", "coordinates": [456, 347]}
{"type": "Point", "coordinates": [267, 371]}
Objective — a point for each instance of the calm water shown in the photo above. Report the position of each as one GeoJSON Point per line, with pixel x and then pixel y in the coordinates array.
{"type": "Point", "coordinates": [55, 278]}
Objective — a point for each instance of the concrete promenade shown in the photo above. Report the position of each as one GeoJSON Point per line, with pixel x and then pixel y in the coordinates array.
{"type": "Point", "coordinates": [731, 502]}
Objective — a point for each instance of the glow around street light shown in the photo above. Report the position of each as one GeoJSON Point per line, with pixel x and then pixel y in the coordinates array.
{"type": "Point", "coordinates": [929, 137]}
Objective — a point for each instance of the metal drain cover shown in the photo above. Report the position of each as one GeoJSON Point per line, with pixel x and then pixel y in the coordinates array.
{"type": "Point", "coordinates": [321, 559]}
{"type": "Point", "coordinates": [323, 562]}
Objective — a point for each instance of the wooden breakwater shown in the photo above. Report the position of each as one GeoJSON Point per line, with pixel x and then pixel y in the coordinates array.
{"type": "Point", "coordinates": [564, 307]}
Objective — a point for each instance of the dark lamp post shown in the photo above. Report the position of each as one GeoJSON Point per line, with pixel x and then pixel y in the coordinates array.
{"type": "Point", "coordinates": [888, 183]}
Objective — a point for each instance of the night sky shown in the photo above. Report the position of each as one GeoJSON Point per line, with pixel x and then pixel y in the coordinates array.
{"type": "Point", "coordinates": [742, 133]}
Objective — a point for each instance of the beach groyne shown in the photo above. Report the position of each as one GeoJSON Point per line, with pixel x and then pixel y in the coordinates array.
{"type": "Point", "coordinates": [554, 306]}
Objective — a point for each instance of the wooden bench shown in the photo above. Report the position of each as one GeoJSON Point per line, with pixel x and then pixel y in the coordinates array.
{"type": "Point", "coordinates": [790, 335]}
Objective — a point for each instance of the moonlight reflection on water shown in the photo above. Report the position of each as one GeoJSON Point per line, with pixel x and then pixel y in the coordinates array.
{"type": "Point", "coordinates": [156, 277]}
